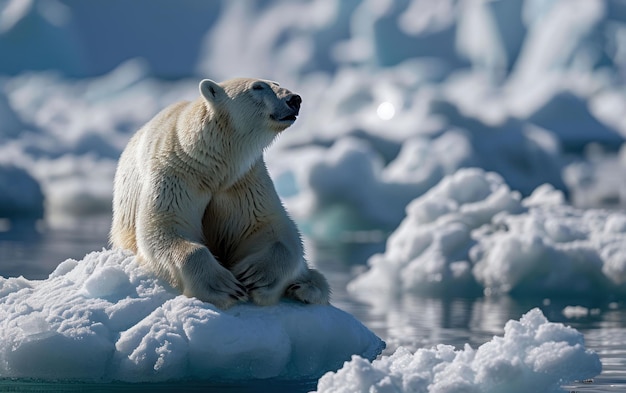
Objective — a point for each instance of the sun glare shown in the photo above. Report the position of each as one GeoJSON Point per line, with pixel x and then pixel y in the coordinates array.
{"type": "Point", "coordinates": [386, 110]}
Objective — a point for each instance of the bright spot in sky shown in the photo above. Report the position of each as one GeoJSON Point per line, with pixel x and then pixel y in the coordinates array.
{"type": "Point", "coordinates": [386, 110]}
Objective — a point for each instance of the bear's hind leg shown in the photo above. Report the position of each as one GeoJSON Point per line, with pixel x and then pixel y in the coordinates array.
{"type": "Point", "coordinates": [124, 238]}
{"type": "Point", "coordinates": [310, 288]}
{"type": "Point", "coordinates": [267, 272]}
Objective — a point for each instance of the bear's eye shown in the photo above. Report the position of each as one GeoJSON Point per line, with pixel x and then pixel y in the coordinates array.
{"type": "Point", "coordinates": [258, 86]}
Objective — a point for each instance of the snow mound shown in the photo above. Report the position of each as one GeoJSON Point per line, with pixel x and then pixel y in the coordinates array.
{"type": "Point", "coordinates": [106, 318]}
{"type": "Point", "coordinates": [534, 355]}
{"type": "Point", "coordinates": [472, 233]}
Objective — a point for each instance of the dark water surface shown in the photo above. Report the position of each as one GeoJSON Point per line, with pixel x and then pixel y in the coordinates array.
{"type": "Point", "coordinates": [33, 250]}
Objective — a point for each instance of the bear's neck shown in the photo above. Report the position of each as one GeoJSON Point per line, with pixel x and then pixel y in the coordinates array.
{"type": "Point", "coordinates": [222, 155]}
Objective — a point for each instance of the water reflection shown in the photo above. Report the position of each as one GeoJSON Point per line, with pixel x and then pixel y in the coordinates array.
{"type": "Point", "coordinates": [33, 248]}
{"type": "Point", "coordinates": [411, 320]}
{"type": "Point", "coordinates": [415, 321]}
{"type": "Point", "coordinates": [16, 238]}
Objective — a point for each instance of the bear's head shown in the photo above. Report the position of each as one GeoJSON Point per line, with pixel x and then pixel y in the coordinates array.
{"type": "Point", "coordinates": [252, 105]}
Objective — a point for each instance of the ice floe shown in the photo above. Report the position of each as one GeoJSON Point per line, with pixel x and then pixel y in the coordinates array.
{"type": "Point", "coordinates": [106, 318]}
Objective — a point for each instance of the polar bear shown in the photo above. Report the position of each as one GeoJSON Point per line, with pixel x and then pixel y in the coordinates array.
{"type": "Point", "coordinates": [194, 200]}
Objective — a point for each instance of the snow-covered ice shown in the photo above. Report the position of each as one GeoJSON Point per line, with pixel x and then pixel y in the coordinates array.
{"type": "Point", "coordinates": [534, 355]}
{"type": "Point", "coordinates": [107, 318]}
{"type": "Point", "coordinates": [472, 232]}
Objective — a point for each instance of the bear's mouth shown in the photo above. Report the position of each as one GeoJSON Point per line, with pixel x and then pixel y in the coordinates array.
{"type": "Point", "coordinates": [288, 118]}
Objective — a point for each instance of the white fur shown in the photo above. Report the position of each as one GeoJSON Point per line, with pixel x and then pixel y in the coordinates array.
{"type": "Point", "coordinates": [193, 199]}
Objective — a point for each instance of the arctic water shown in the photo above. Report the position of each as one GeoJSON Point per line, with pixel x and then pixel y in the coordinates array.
{"type": "Point", "coordinates": [33, 250]}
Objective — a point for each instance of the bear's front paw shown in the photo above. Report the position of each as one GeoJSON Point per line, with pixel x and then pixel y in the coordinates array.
{"type": "Point", "coordinates": [263, 287]}
{"type": "Point", "coordinates": [207, 280]}
{"type": "Point", "coordinates": [220, 288]}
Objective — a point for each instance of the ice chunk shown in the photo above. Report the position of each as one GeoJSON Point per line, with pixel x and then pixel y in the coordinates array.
{"type": "Point", "coordinates": [553, 250]}
{"type": "Point", "coordinates": [106, 318]}
{"type": "Point", "coordinates": [534, 355]}
{"type": "Point", "coordinates": [428, 251]}
{"type": "Point", "coordinates": [472, 232]}
{"type": "Point", "coordinates": [579, 312]}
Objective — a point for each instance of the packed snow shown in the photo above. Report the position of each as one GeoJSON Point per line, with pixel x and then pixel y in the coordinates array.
{"type": "Point", "coordinates": [107, 318]}
{"type": "Point", "coordinates": [534, 355]}
{"type": "Point", "coordinates": [472, 233]}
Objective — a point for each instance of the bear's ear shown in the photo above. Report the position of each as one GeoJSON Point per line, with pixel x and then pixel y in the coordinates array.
{"type": "Point", "coordinates": [211, 91]}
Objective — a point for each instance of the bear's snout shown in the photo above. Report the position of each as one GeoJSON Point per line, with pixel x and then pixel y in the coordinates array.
{"type": "Point", "coordinates": [294, 101]}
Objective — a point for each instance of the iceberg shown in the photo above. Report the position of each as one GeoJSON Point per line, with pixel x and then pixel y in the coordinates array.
{"type": "Point", "coordinates": [106, 318]}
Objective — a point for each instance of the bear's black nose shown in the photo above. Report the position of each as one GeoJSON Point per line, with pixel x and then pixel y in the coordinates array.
{"type": "Point", "coordinates": [294, 101]}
